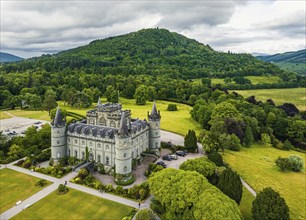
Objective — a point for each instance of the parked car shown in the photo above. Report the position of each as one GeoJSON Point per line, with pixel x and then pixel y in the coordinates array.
{"type": "Point", "coordinates": [161, 163]}
{"type": "Point", "coordinates": [38, 122]}
{"type": "Point", "coordinates": [185, 151]}
{"type": "Point", "coordinates": [173, 157]}
{"type": "Point", "coordinates": [167, 157]}
{"type": "Point", "coordinates": [180, 153]}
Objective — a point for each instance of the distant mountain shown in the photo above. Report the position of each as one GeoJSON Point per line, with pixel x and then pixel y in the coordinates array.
{"type": "Point", "coordinates": [153, 52]}
{"type": "Point", "coordinates": [6, 57]}
{"type": "Point", "coordinates": [292, 61]}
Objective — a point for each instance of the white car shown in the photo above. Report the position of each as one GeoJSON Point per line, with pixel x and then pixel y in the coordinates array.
{"type": "Point", "coordinates": [173, 156]}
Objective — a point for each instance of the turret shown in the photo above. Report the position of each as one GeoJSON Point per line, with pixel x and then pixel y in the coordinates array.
{"type": "Point", "coordinates": [58, 136]}
{"type": "Point", "coordinates": [154, 133]}
{"type": "Point", "coordinates": [123, 160]}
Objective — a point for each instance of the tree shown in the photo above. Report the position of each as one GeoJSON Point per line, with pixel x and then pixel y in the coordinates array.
{"type": "Point", "coordinates": [269, 205]}
{"type": "Point", "coordinates": [248, 138]}
{"type": "Point", "coordinates": [86, 153]}
{"type": "Point", "coordinates": [287, 145]}
{"type": "Point", "coordinates": [50, 100]}
{"type": "Point", "coordinates": [265, 138]}
{"type": "Point", "coordinates": [297, 162]}
{"type": "Point", "coordinates": [145, 214]}
{"type": "Point", "coordinates": [202, 165]}
{"type": "Point", "coordinates": [190, 141]}
{"type": "Point", "coordinates": [234, 143]}
{"type": "Point", "coordinates": [151, 93]}
{"type": "Point", "coordinates": [141, 95]}
{"type": "Point", "coordinates": [172, 107]}
{"type": "Point", "coordinates": [283, 163]}
{"type": "Point", "coordinates": [111, 94]}
{"type": "Point", "coordinates": [216, 158]}
{"type": "Point", "coordinates": [231, 185]}
{"type": "Point", "coordinates": [15, 151]}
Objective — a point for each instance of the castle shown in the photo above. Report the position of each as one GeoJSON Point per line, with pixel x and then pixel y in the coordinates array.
{"type": "Point", "coordinates": [110, 135]}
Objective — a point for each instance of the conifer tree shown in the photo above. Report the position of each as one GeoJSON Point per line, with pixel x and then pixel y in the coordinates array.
{"type": "Point", "coordinates": [190, 141]}
{"type": "Point", "coordinates": [248, 137]}
{"type": "Point", "coordinates": [231, 185]}
{"type": "Point", "coordinates": [268, 204]}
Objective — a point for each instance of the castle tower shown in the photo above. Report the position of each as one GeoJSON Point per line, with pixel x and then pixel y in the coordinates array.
{"type": "Point", "coordinates": [123, 160]}
{"type": "Point", "coordinates": [154, 134]}
{"type": "Point", "coordinates": [58, 136]}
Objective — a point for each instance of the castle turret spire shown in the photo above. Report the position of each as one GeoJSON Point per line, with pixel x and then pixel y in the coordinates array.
{"type": "Point", "coordinates": [99, 101]}
{"type": "Point", "coordinates": [154, 113]}
{"type": "Point", "coordinates": [58, 120]}
{"type": "Point", "coordinates": [123, 128]}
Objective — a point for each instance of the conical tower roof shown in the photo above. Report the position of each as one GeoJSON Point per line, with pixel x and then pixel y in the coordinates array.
{"type": "Point", "coordinates": [123, 128]}
{"type": "Point", "coordinates": [154, 113]}
{"type": "Point", "coordinates": [59, 118]}
{"type": "Point", "coordinates": [99, 102]}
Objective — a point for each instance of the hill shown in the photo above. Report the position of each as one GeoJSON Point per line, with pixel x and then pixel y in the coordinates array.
{"type": "Point", "coordinates": [152, 52]}
{"type": "Point", "coordinates": [292, 61]}
{"type": "Point", "coordinates": [6, 57]}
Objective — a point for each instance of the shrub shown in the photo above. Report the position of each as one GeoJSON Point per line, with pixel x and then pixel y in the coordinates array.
{"type": "Point", "coordinates": [41, 183]}
{"type": "Point", "coordinates": [216, 158]}
{"type": "Point", "coordinates": [20, 162]}
{"type": "Point", "coordinates": [234, 143]}
{"type": "Point", "coordinates": [51, 163]}
{"type": "Point", "coordinates": [172, 107]}
{"type": "Point", "coordinates": [231, 185]}
{"type": "Point", "coordinates": [62, 189]}
{"type": "Point", "coordinates": [27, 164]}
{"type": "Point", "coordinates": [287, 145]}
{"type": "Point", "coordinates": [83, 173]}
{"type": "Point", "coordinates": [297, 162]}
{"type": "Point", "coordinates": [268, 204]}
{"type": "Point", "coordinates": [283, 163]}
{"type": "Point", "coordinates": [145, 214]}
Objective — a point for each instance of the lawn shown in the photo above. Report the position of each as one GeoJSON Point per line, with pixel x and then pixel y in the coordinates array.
{"type": "Point", "coordinates": [74, 205]}
{"type": "Point", "coordinates": [15, 186]}
{"type": "Point", "coordinates": [296, 96]}
{"type": "Point", "coordinates": [175, 121]}
{"type": "Point", "coordinates": [257, 167]}
{"type": "Point", "coordinates": [3, 115]}
{"type": "Point", "coordinates": [246, 204]}
{"type": "Point", "coordinates": [264, 79]}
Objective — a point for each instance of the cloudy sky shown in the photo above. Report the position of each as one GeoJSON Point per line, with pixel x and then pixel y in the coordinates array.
{"type": "Point", "coordinates": [31, 28]}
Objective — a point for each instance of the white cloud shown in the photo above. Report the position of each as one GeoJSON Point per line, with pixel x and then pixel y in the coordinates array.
{"type": "Point", "coordinates": [40, 27]}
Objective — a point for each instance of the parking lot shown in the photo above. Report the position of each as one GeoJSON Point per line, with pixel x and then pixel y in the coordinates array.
{"type": "Point", "coordinates": [18, 125]}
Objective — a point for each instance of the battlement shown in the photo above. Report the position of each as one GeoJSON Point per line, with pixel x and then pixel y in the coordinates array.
{"type": "Point", "coordinates": [109, 107]}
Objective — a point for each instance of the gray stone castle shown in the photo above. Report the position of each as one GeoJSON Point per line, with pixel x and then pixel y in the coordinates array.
{"type": "Point", "coordinates": [112, 137]}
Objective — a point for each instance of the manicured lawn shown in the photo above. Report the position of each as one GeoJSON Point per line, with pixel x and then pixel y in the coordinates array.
{"type": "Point", "coordinates": [296, 96]}
{"type": "Point", "coordinates": [175, 121]}
{"type": "Point", "coordinates": [74, 205]}
{"type": "Point", "coordinates": [3, 115]}
{"type": "Point", "coordinates": [15, 186]}
{"type": "Point", "coordinates": [40, 115]}
{"type": "Point", "coordinates": [257, 167]}
{"type": "Point", "coordinates": [246, 204]}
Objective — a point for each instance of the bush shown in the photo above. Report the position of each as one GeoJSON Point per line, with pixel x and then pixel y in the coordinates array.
{"type": "Point", "coordinates": [268, 204]}
{"type": "Point", "coordinates": [62, 189]}
{"type": "Point", "coordinates": [41, 183]}
{"type": "Point", "coordinates": [83, 173]}
{"type": "Point", "coordinates": [297, 162]}
{"type": "Point", "coordinates": [216, 158]}
{"type": "Point", "coordinates": [145, 214]}
{"type": "Point", "coordinates": [287, 145]}
{"type": "Point", "coordinates": [172, 107]}
{"type": "Point", "coordinates": [27, 164]}
{"type": "Point", "coordinates": [283, 163]}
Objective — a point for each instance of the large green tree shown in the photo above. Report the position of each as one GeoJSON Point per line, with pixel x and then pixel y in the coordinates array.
{"type": "Point", "coordinates": [202, 165]}
{"type": "Point", "coordinates": [141, 95]}
{"type": "Point", "coordinates": [190, 141]}
{"type": "Point", "coordinates": [269, 205]}
{"type": "Point", "coordinates": [50, 100]}
{"type": "Point", "coordinates": [231, 185]}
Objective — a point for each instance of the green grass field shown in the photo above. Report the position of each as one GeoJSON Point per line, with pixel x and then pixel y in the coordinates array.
{"type": "Point", "coordinates": [246, 204]}
{"type": "Point", "coordinates": [3, 115]}
{"type": "Point", "coordinates": [257, 167]}
{"type": "Point", "coordinates": [175, 121]}
{"type": "Point", "coordinates": [74, 205]}
{"type": "Point", "coordinates": [15, 186]}
{"type": "Point", "coordinates": [296, 96]}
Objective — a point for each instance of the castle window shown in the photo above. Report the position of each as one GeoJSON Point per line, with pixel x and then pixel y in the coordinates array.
{"type": "Point", "coordinates": [113, 124]}
{"type": "Point", "coordinates": [75, 141]}
{"type": "Point", "coordinates": [124, 155]}
{"type": "Point", "coordinates": [57, 132]}
{"type": "Point", "coordinates": [68, 140]}
{"type": "Point", "coordinates": [102, 121]}
{"type": "Point", "coordinates": [99, 158]}
{"type": "Point", "coordinates": [125, 168]}
{"type": "Point", "coordinates": [107, 161]}
{"type": "Point", "coordinates": [57, 142]}
{"type": "Point", "coordinates": [99, 145]}
{"type": "Point", "coordinates": [76, 153]}
{"type": "Point", "coordinates": [156, 133]}
{"type": "Point", "coordinates": [107, 147]}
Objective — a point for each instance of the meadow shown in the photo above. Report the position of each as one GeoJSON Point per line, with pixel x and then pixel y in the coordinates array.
{"type": "Point", "coordinates": [175, 121]}
{"type": "Point", "coordinates": [296, 96]}
{"type": "Point", "coordinates": [257, 167]}
{"type": "Point", "coordinates": [245, 205]}
{"type": "Point", "coordinates": [3, 115]}
{"type": "Point", "coordinates": [74, 205]}
{"type": "Point", "coordinates": [15, 186]}
{"type": "Point", "coordinates": [254, 80]}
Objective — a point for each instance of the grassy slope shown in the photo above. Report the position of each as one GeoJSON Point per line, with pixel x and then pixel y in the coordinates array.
{"type": "Point", "coordinates": [74, 205]}
{"type": "Point", "coordinates": [15, 186]}
{"type": "Point", "coordinates": [3, 115]}
{"type": "Point", "coordinates": [246, 204]}
{"type": "Point", "coordinates": [257, 167]}
{"type": "Point", "coordinates": [178, 121]}
{"type": "Point", "coordinates": [296, 96]}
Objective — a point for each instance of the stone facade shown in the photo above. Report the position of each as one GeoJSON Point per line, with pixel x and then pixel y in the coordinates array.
{"type": "Point", "coordinates": [109, 133]}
